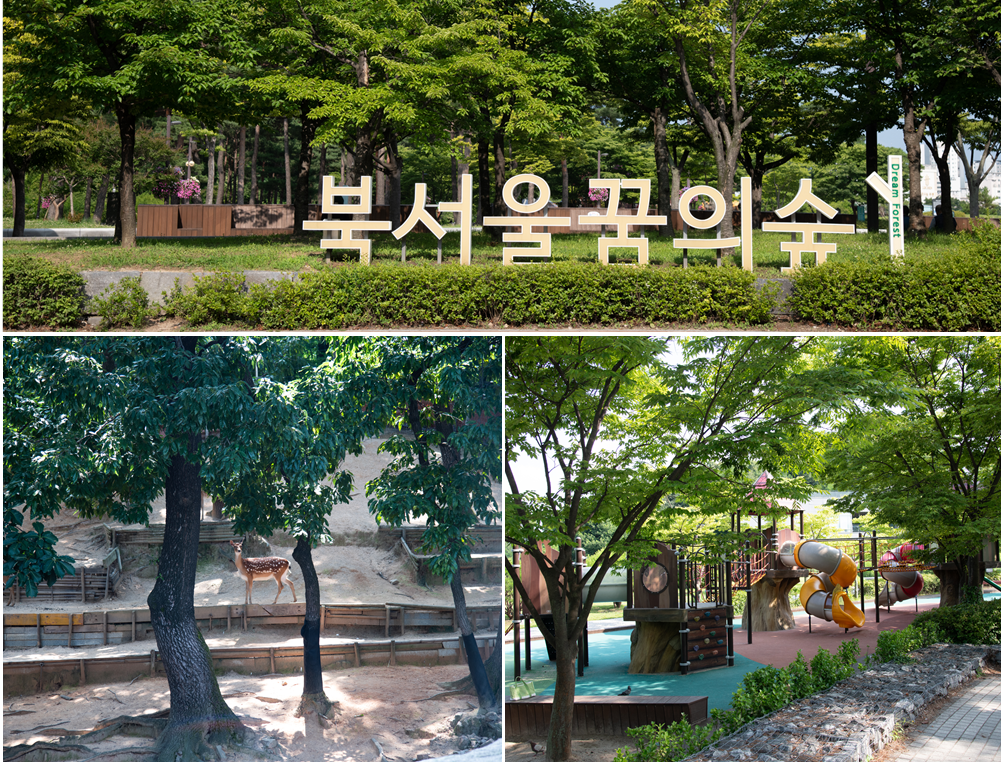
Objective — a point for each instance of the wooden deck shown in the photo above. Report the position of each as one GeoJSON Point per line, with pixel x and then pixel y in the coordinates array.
{"type": "Point", "coordinates": [603, 715]}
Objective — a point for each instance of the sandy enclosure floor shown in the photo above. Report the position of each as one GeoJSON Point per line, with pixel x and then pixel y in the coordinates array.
{"type": "Point", "coordinates": [387, 704]}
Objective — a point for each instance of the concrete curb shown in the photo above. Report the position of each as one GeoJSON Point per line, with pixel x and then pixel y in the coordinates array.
{"type": "Point", "coordinates": [156, 282]}
{"type": "Point", "coordinates": [62, 233]}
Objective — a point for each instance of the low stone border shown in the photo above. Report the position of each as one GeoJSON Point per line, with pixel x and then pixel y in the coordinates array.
{"type": "Point", "coordinates": [155, 282]}
{"type": "Point", "coordinates": [854, 719]}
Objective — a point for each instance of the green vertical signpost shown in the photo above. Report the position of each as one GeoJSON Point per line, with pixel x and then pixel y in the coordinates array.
{"type": "Point", "coordinates": [893, 193]}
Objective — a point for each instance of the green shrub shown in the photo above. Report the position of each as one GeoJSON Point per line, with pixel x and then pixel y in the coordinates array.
{"type": "Point", "coordinates": [956, 292]}
{"type": "Point", "coordinates": [978, 623]}
{"type": "Point", "coordinates": [656, 743]}
{"type": "Point", "coordinates": [760, 692]}
{"type": "Point", "coordinates": [216, 298]}
{"type": "Point", "coordinates": [125, 303]}
{"type": "Point", "coordinates": [37, 292]}
{"type": "Point", "coordinates": [555, 293]}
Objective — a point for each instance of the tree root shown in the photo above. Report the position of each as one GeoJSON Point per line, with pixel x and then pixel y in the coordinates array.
{"type": "Point", "coordinates": [445, 694]}
{"type": "Point", "coordinates": [43, 751]}
{"type": "Point", "coordinates": [318, 704]}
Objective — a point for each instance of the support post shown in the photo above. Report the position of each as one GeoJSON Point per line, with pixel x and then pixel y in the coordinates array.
{"type": "Point", "coordinates": [516, 615]}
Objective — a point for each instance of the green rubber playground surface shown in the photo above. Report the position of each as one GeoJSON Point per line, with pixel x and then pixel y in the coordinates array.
{"type": "Point", "coordinates": [608, 673]}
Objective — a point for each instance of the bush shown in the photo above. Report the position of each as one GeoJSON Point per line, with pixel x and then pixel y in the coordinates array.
{"type": "Point", "coordinates": [37, 292]}
{"type": "Point", "coordinates": [125, 303]}
{"type": "Point", "coordinates": [656, 743]}
{"type": "Point", "coordinates": [957, 292]}
{"type": "Point", "coordinates": [760, 692]}
{"type": "Point", "coordinates": [977, 623]}
{"type": "Point", "coordinates": [548, 294]}
{"type": "Point", "coordinates": [216, 298]}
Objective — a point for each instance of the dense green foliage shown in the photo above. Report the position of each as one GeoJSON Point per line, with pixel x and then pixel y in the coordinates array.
{"type": "Point", "coordinates": [39, 293]}
{"type": "Point", "coordinates": [966, 623]}
{"type": "Point", "coordinates": [760, 692]}
{"type": "Point", "coordinates": [430, 295]}
{"type": "Point", "coordinates": [959, 292]}
{"type": "Point", "coordinates": [123, 304]}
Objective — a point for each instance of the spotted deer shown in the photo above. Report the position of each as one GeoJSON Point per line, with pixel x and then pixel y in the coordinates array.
{"type": "Point", "coordinates": [252, 569]}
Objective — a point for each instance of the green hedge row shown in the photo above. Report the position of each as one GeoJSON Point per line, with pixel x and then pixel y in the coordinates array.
{"type": "Point", "coordinates": [431, 295]}
{"type": "Point", "coordinates": [953, 292]}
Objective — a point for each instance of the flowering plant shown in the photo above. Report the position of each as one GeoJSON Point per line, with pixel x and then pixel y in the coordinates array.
{"type": "Point", "coordinates": [47, 201]}
{"type": "Point", "coordinates": [598, 194]}
{"type": "Point", "coordinates": [189, 188]}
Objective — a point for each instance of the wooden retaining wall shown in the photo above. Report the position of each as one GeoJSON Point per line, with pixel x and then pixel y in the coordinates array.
{"type": "Point", "coordinates": [200, 220]}
{"type": "Point", "coordinates": [87, 583]}
{"type": "Point", "coordinates": [28, 677]}
{"type": "Point", "coordinates": [127, 625]}
{"type": "Point", "coordinates": [488, 538]}
{"type": "Point", "coordinates": [210, 532]}
{"type": "Point", "coordinates": [602, 715]}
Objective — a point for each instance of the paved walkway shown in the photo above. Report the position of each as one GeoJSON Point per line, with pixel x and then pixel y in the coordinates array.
{"type": "Point", "coordinates": [968, 728]}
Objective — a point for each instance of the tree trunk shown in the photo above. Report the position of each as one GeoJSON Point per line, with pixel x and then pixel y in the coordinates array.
{"type": "Point", "coordinates": [314, 700]}
{"type": "Point", "coordinates": [253, 164]}
{"type": "Point", "coordinates": [199, 717]}
{"type": "Point", "coordinates": [500, 173]}
{"type": "Point", "coordinates": [221, 185]}
{"type": "Point", "coordinates": [288, 163]}
{"type": "Point", "coordinates": [322, 173]}
{"type": "Point", "coordinates": [566, 182]}
{"type": "Point", "coordinates": [558, 744]}
{"type": "Point", "coordinates": [210, 182]}
{"type": "Point", "coordinates": [477, 671]}
{"type": "Point", "coordinates": [126, 234]}
{"type": "Point", "coordinates": [395, 190]}
{"type": "Point", "coordinates": [483, 169]}
{"type": "Point", "coordinates": [768, 604]}
{"type": "Point", "coordinates": [871, 165]}
{"type": "Point", "coordinates": [87, 197]}
{"type": "Point", "coordinates": [913, 132]}
{"type": "Point", "coordinates": [964, 584]}
{"type": "Point", "coordinates": [301, 210]}
{"type": "Point", "coordinates": [102, 194]}
{"type": "Point", "coordinates": [17, 175]}
{"type": "Point", "coordinates": [662, 159]}
{"type": "Point", "coordinates": [241, 166]}
{"type": "Point", "coordinates": [38, 206]}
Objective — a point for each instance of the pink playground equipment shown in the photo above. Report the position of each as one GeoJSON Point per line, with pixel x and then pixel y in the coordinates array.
{"type": "Point", "coordinates": [896, 567]}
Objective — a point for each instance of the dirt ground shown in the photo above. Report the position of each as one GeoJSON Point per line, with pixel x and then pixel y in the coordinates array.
{"type": "Point", "coordinates": [389, 705]}
{"type": "Point", "coordinates": [596, 749]}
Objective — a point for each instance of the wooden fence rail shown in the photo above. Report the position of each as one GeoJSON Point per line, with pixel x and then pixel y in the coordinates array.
{"type": "Point", "coordinates": [127, 625]}
{"type": "Point", "coordinates": [27, 677]}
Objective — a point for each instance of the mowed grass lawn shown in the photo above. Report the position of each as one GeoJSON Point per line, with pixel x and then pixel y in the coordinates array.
{"type": "Point", "coordinates": [294, 255]}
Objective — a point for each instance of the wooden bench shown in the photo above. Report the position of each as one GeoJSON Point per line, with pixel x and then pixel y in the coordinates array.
{"type": "Point", "coordinates": [603, 715]}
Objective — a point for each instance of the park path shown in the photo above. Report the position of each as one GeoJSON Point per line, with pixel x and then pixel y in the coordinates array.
{"type": "Point", "coordinates": [968, 728]}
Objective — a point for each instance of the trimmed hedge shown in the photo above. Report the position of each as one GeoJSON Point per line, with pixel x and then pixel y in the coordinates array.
{"type": "Point", "coordinates": [953, 293]}
{"type": "Point", "coordinates": [37, 292]}
{"type": "Point", "coordinates": [435, 295]}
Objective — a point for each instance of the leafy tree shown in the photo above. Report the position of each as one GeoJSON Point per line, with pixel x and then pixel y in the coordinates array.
{"type": "Point", "coordinates": [135, 59]}
{"type": "Point", "coordinates": [446, 396]}
{"type": "Point", "coordinates": [985, 137]}
{"type": "Point", "coordinates": [102, 427]}
{"type": "Point", "coordinates": [40, 129]}
{"type": "Point", "coordinates": [606, 428]}
{"type": "Point", "coordinates": [316, 394]}
{"type": "Point", "coordinates": [921, 450]}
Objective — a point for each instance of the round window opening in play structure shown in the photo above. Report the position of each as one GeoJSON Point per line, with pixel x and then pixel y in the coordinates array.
{"type": "Point", "coordinates": [655, 578]}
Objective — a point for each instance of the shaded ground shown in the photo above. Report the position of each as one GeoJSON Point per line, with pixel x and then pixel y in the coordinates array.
{"type": "Point", "coordinates": [388, 704]}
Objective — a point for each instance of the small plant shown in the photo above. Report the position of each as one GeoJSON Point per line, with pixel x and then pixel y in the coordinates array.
{"type": "Point", "coordinates": [37, 292]}
{"type": "Point", "coordinates": [125, 303]}
{"type": "Point", "coordinates": [657, 743]}
{"type": "Point", "coordinates": [75, 217]}
{"type": "Point", "coordinates": [220, 297]}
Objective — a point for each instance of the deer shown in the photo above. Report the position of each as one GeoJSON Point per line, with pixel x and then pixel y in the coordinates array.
{"type": "Point", "coordinates": [252, 569]}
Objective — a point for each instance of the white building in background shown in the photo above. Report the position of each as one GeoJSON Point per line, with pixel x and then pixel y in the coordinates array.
{"type": "Point", "coordinates": [931, 187]}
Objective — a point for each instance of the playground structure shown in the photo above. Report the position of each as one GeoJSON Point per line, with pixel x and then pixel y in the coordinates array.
{"type": "Point", "coordinates": [682, 600]}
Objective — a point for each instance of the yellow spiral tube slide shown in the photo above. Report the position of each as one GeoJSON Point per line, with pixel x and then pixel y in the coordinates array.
{"type": "Point", "coordinates": [823, 595]}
